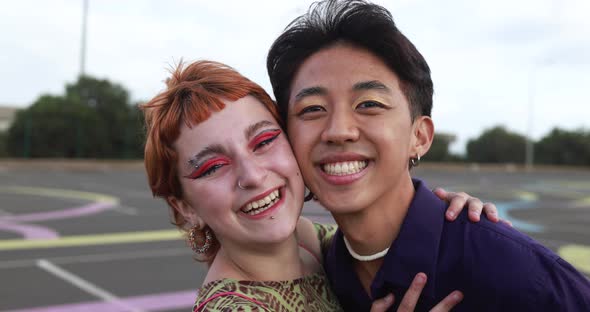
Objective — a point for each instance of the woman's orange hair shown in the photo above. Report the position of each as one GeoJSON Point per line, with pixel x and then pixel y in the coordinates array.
{"type": "Point", "coordinates": [192, 95]}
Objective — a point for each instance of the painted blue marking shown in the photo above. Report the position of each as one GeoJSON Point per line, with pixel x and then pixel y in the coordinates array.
{"type": "Point", "coordinates": [505, 207]}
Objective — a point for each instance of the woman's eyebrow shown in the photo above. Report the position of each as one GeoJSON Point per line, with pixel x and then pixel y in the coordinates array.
{"type": "Point", "coordinates": [204, 153]}
{"type": "Point", "coordinates": [252, 129]}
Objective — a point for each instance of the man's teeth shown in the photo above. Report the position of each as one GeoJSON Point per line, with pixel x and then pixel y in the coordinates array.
{"type": "Point", "coordinates": [344, 168]}
{"type": "Point", "coordinates": [263, 204]}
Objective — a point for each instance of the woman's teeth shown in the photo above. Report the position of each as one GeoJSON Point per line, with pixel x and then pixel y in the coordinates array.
{"type": "Point", "coordinates": [263, 204]}
{"type": "Point", "coordinates": [344, 168]}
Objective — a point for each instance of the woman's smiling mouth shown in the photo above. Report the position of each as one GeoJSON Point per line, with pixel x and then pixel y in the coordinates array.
{"type": "Point", "coordinates": [258, 206]}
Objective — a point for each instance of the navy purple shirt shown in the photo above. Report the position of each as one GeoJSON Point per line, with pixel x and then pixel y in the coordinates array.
{"type": "Point", "coordinates": [496, 267]}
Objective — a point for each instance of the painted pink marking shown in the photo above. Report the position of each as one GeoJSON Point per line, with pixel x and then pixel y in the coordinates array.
{"type": "Point", "coordinates": [85, 210]}
{"type": "Point", "coordinates": [29, 231]}
{"type": "Point", "coordinates": [9, 223]}
{"type": "Point", "coordinates": [155, 302]}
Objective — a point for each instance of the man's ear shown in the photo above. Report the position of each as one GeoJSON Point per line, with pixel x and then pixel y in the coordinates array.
{"type": "Point", "coordinates": [186, 210]}
{"type": "Point", "coordinates": [423, 134]}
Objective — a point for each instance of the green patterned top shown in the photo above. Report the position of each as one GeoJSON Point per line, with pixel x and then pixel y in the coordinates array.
{"type": "Point", "coordinates": [308, 293]}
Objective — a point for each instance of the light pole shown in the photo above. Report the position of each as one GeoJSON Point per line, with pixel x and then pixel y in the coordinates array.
{"type": "Point", "coordinates": [532, 79]}
{"type": "Point", "coordinates": [83, 40]}
{"type": "Point", "coordinates": [529, 147]}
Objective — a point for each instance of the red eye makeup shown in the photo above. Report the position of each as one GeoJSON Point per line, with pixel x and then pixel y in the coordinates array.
{"type": "Point", "coordinates": [264, 138]}
{"type": "Point", "coordinates": [208, 167]}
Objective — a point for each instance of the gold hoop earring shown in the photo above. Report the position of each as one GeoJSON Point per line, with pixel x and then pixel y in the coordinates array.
{"type": "Point", "coordinates": [192, 239]}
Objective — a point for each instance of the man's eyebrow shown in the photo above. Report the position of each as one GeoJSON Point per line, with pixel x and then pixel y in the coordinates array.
{"type": "Point", "coordinates": [204, 153]}
{"type": "Point", "coordinates": [309, 92]}
{"type": "Point", "coordinates": [371, 85]}
{"type": "Point", "coordinates": [249, 132]}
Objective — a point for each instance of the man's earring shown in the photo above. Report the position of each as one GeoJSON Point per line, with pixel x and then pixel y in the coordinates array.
{"type": "Point", "coordinates": [414, 162]}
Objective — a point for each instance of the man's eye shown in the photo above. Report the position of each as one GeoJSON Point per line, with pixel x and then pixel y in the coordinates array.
{"type": "Point", "coordinates": [370, 104]}
{"type": "Point", "coordinates": [311, 109]}
{"type": "Point", "coordinates": [265, 139]}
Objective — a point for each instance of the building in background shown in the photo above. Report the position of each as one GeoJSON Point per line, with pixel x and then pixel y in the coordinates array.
{"type": "Point", "coordinates": [6, 116]}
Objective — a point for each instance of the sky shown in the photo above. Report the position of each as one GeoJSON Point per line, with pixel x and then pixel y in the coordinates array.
{"type": "Point", "coordinates": [523, 64]}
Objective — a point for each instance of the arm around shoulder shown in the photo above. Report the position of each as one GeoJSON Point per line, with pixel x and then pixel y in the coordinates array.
{"type": "Point", "coordinates": [316, 237]}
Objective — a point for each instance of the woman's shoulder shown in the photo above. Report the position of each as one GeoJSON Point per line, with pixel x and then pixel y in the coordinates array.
{"type": "Point", "coordinates": [314, 238]}
{"type": "Point", "coordinates": [310, 233]}
{"type": "Point", "coordinates": [325, 232]}
{"type": "Point", "coordinates": [317, 236]}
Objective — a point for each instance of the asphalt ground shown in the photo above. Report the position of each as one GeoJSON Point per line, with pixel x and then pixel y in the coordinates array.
{"type": "Point", "coordinates": [90, 237]}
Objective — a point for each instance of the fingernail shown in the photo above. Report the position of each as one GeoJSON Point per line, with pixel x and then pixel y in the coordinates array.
{"type": "Point", "coordinates": [389, 298]}
{"type": "Point", "coordinates": [421, 279]}
{"type": "Point", "coordinates": [451, 214]}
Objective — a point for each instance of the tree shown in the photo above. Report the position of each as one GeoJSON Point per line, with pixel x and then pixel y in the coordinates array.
{"type": "Point", "coordinates": [497, 145]}
{"type": "Point", "coordinates": [562, 147]}
{"type": "Point", "coordinates": [54, 127]}
{"type": "Point", "coordinates": [439, 150]}
{"type": "Point", "coordinates": [110, 102]}
{"type": "Point", "coordinates": [3, 152]}
{"type": "Point", "coordinates": [93, 119]}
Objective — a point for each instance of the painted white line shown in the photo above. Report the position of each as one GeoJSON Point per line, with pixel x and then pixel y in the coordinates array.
{"type": "Point", "coordinates": [84, 285]}
{"type": "Point", "coordinates": [103, 257]}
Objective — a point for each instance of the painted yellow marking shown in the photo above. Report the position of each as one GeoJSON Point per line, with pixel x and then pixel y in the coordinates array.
{"type": "Point", "coordinates": [577, 255]}
{"type": "Point", "coordinates": [89, 240]}
{"type": "Point", "coordinates": [575, 184]}
{"type": "Point", "coordinates": [526, 196]}
{"type": "Point", "coordinates": [60, 193]}
{"type": "Point", "coordinates": [583, 202]}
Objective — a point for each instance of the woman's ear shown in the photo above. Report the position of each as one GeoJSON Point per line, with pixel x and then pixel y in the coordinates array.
{"type": "Point", "coordinates": [186, 210]}
{"type": "Point", "coordinates": [423, 134]}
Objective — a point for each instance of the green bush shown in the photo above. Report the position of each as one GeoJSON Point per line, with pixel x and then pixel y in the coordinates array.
{"type": "Point", "coordinates": [497, 145]}
{"type": "Point", "coordinates": [562, 147]}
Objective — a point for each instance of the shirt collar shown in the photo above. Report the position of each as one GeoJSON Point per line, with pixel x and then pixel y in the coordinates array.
{"type": "Point", "coordinates": [416, 247]}
{"type": "Point", "coordinates": [414, 250]}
